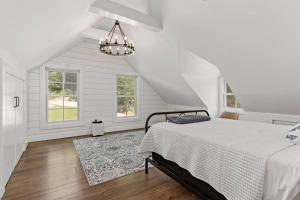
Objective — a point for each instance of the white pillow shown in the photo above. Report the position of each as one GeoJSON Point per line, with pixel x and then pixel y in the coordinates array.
{"type": "Point", "coordinates": [293, 135]}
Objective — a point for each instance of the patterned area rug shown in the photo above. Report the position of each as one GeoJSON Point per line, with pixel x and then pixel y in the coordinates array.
{"type": "Point", "coordinates": [108, 157]}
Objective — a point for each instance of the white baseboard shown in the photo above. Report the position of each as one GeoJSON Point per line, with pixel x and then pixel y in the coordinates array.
{"type": "Point", "coordinates": [123, 128]}
{"type": "Point", "coordinates": [74, 133]}
{"type": "Point", "coordinates": [2, 190]}
{"type": "Point", "coordinates": [57, 135]}
{"type": "Point", "coordinates": [24, 146]}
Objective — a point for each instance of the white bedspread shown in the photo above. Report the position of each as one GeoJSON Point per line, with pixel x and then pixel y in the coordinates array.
{"type": "Point", "coordinates": [230, 155]}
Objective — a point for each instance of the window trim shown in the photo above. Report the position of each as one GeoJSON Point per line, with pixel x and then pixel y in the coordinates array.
{"type": "Point", "coordinates": [44, 97]}
{"type": "Point", "coordinates": [137, 97]}
{"type": "Point", "coordinates": [222, 98]}
{"type": "Point", "coordinates": [63, 96]}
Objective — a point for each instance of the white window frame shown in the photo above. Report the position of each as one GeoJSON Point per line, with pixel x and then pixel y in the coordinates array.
{"type": "Point", "coordinates": [223, 99]}
{"type": "Point", "coordinates": [137, 116]}
{"type": "Point", "coordinates": [44, 97]}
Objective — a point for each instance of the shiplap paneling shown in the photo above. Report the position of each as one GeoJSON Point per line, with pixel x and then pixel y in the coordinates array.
{"type": "Point", "coordinates": [98, 93]}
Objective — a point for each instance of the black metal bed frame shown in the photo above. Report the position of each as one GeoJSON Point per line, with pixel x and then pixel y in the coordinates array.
{"type": "Point", "coordinates": [182, 176]}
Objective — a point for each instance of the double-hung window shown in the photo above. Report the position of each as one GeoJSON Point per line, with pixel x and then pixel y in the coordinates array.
{"type": "Point", "coordinates": [62, 95]}
{"type": "Point", "coordinates": [126, 96]}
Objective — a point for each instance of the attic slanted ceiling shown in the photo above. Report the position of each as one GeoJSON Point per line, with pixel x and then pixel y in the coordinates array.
{"type": "Point", "coordinates": [35, 31]}
{"type": "Point", "coordinates": [255, 44]}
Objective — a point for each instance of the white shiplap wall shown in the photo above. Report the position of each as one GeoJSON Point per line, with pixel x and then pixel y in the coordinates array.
{"type": "Point", "coordinates": [98, 88]}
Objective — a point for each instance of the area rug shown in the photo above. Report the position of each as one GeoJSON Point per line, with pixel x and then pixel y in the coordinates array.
{"type": "Point", "coordinates": [108, 157]}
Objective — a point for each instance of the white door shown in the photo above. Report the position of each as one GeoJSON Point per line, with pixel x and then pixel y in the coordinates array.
{"type": "Point", "coordinates": [9, 123]}
{"type": "Point", "coordinates": [20, 128]}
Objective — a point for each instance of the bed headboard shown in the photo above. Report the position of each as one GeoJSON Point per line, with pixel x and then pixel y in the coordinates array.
{"type": "Point", "coordinates": [196, 112]}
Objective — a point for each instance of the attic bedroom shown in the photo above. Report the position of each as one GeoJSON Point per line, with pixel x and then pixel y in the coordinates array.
{"type": "Point", "coordinates": [149, 99]}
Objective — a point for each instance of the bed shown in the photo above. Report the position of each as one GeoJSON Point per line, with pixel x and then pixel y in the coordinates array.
{"type": "Point", "coordinates": [225, 159]}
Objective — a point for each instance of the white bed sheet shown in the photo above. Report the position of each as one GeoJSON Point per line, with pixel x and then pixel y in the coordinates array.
{"type": "Point", "coordinates": [282, 173]}
{"type": "Point", "coordinates": [282, 180]}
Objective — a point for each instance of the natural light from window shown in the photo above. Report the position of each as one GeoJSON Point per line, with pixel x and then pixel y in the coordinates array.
{"type": "Point", "coordinates": [126, 96]}
{"type": "Point", "coordinates": [230, 100]}
{"type": "Point", "coordinates": [62, 96]}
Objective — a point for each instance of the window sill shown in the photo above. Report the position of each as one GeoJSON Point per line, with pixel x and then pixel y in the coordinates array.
{"type": "Point", "coordinates": [58, 125]}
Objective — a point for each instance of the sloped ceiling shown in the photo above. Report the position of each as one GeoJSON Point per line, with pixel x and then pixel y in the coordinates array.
{"type": "Point", "coordinates": [255, 44]}
{"type": "Point", "coordinates": [157, 59]}
{"type": "Point", "coordinates": [34, 31]}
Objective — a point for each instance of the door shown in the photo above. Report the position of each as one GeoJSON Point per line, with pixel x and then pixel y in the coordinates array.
{"type": "Point", "coordinates": [13, 123]}
{"type": "Point", "coordinates": [19, 125]}
{"type": "Point", "coordinates": [9, 123]}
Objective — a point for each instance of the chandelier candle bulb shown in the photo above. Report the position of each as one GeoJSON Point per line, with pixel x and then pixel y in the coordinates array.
{"type": "Point", "coordinates": [114, 47]}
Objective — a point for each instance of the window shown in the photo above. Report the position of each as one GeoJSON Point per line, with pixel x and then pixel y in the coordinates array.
{"type": "Point", "coordinates": [230, 100]}
{"type": "Point", "coordinates": [126, 96]}
{"type": "Point", "coordinates": [62, 96]}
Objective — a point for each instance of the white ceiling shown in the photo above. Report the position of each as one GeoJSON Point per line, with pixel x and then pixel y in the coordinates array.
{"type": "Point", "coordinates": [140, 5]}
{"type": "Point", "coordinates": [255, 44]}
{"type": "Point", "coordinates": [34, 31]}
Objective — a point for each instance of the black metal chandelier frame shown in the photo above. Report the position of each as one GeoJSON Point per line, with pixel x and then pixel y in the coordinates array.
{"type": "Point", "coordinates": [115, 48]}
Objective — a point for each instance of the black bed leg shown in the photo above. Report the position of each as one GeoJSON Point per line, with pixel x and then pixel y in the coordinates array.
{"type": "Point", "coordinates": [146, 166]}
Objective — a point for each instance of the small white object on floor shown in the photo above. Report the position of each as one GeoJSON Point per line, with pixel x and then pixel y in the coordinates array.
{"type": "Point", "coordinates": [97, 128]}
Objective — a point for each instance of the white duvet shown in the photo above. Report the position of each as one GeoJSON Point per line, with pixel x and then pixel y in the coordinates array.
{"type": "Point", "coordinates": [242, 160]}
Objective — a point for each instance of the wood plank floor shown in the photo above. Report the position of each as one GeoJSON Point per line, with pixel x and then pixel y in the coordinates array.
{"type": "Point", "coordinates": [51, 170]}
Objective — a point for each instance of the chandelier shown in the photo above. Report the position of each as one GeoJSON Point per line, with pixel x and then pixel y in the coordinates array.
{"type": "Point", "coordinates": [114, 47]}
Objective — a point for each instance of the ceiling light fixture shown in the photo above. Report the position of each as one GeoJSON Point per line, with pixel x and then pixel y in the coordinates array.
{"type": "Point", "coordinates": [111, 46]}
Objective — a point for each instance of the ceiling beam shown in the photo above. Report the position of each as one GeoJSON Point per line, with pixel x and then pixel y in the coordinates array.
{"type": "Point", "coordinates": [125, 14]}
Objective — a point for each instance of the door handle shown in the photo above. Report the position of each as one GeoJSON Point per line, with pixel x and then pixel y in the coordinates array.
{"type": "Point", "coordinates": [18, 105]}
{"type": "Point", "coordinates": [16, 102]}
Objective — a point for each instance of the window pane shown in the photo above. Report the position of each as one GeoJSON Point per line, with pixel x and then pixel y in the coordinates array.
{"type": "Point", "coordinates": [70, 114]}
{"type": "Point", "coordinates": [55, 76]}
{"type": "Point", "coordinates": [55, 88]}
{"type": "Point", "coordinates": [55, 115]}
{"type": "Point", "coordinates": [126, 111]}
{"type": "Point", "coordinates": [121, 80]}
{"type": "Point", "coordinates": [124, 90]}
{"type": "Point", "coordinates": [71, 77]}
{"type": "Point", "coordinates": [126, 86]}
{"type": "Point", "coordinates": [121, 111]}
{"type": "Point", "coordinates": [126, 101]}
{"type": "Point", "coordinates": [70, 102]}
{"type": "Point", "coordinates": [238, 105]}
{"type": "Point", "coordinates": [131, 111]}
{"type": "Point", "coordinates": [228, 89]}
{"type": "Point", "coordinates": [131, 81]}
{"type": "Point", "coordinates": [70, 89]}
{"type": "Point", "coordinates": [55, 102]}
{"type": "Point", "coordinates": [230, 100]}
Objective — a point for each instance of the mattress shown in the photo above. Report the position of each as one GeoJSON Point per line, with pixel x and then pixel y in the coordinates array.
{"type": "Point", "coordinates": [241, 160]}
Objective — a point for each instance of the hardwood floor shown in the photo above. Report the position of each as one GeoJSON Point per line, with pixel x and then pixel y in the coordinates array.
{"type": "Point", "coordinates": [51, 170]}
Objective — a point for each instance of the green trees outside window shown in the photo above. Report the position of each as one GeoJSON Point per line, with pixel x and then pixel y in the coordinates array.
{"type": "Point", "coordinates": [62, 96]}
{"type": "Point", "coordinates": [126, 96]}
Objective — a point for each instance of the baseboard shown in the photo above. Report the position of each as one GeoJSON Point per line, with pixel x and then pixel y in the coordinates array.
{"type": "Point", "coordinates": [74, 133]}
{"type": "Point", "coordinates": [2, 190]}
{"type": "Point", "coordinates": [25, 146]}
{"type": "Point", "coordinates": [57, 135]}
{"type": "Point", "coordinates": [123, 128]}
